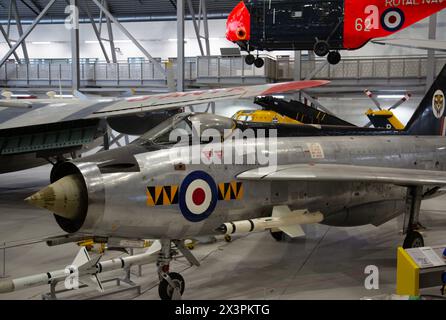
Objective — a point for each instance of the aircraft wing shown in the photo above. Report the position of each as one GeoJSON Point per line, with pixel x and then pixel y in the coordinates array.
{"type": "Point", "coordinates": [179, 99]}
{"type": "Point", "coordinates": [346, 173]}
{"type": "Point", "coordinates": [413, 43]}
{"type": "Point", "coordinates": [24, 113]}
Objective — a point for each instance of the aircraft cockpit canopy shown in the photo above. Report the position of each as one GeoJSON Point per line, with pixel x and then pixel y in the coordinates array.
{"type": "Point", "coordinates": [186, 127]}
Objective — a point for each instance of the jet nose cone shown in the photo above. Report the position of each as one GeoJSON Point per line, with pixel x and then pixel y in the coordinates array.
{"type": "Point", "coordinates": [65, 197]}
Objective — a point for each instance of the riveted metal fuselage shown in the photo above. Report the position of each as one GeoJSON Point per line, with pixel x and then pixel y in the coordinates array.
{"type": "Point", "coordinates": [126, 211]}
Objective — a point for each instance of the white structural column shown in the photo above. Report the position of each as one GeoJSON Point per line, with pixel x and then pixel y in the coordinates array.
{"type": "Point", "coordinates": [180, 45]}
{"type": "Point", "coordinates": [75, 59]}
{"type": "Point", "coordinates": [297, 76]}
{"type": "Point", "coordinates": [430, 68]}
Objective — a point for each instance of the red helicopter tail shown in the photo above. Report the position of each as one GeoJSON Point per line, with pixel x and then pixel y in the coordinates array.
{"type": "Point", "coordinates": [368, 19]}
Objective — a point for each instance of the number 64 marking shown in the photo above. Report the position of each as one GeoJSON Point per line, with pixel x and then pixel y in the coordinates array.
{"type": "Point", "coordinates": [370, 22]}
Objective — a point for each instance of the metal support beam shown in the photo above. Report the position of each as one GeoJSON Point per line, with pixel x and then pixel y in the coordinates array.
{"type": "Point", "coordinates": [20, 30]}
{"type": "Point", "coordinates": [202, 15]}
{"type": "Point", "coordinates": [180, 45]}
{"type": "Point", "coordinates": [204, 12]}
{"type": "Point", "coordinates": [156, 63]}
{"type": "Point", "coordinates": [96, 31]}
{"type": "Point", "coordinates": [3, 32]}
{"type": "Point", "coordinates": [28, 31]}
{"type": "Point", "coordinates": [194, 22]}
{"type": "Point", "coordinates": [75, 63]}
{"type": "Point", "coordinates": [317, 70]}
{"type": "Point", "coordinates": [34, 8]}
{"type": "Point", "coordinates": [111, 39]}
{"type": "Point", "coordinates": [430, 67]}
{"type": "Point", "coordinates": [297, 75]}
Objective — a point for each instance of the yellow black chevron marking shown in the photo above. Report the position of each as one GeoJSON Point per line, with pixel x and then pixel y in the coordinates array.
{"type": "Point", "coordinates": [162, 195]}
{"type": "Point", "coordinates": [230, 191]}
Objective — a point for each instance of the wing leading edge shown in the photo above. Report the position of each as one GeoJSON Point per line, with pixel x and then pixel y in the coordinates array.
{"type": "Point", "coordinates": [165, 101]}
{"type": "Point", "coordinates": [346, 173]}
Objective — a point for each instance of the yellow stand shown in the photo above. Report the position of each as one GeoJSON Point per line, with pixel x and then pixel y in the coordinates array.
{"type": "Point", "coordinates": [407, 276]}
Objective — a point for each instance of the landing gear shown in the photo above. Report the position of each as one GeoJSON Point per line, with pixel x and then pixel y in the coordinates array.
{"type": "Point", "coordinates": [259, 62]}
{"type": "Point", "coordinates": [413, 239]}
{"type": "Point", "coordinates": [171, 287]}
{"type": "Point", "coordinates": [277, 235]}
{"type": "Point", "coordinates": [172, 284]}
{"type": "Point", "coordinates": [321, 48]}
{"type": "Point", "coordinates": [250, 59]}
{"type": "Point", "coordinates": [334, 57]}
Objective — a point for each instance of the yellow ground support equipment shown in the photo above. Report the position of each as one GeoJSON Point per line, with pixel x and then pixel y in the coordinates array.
{"type": "Point", "coordinates": [419, 268]}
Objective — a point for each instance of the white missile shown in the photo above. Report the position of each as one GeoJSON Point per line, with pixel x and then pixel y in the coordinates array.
{"type": "Point", "coordinates": [282, 219]}
{"type": "Point", "coordinates": [87, 270]}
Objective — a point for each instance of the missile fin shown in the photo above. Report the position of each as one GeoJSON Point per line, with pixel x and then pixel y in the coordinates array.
{"type": "Point", "coordinates": [154, 248]}
{"type": "Point", "coordinates": [92, 281]}
{"type": "Point", "coordinates": [84, 263]}
{"type": "Point", "coordinates": [281, 211]}
{"type": "Point", "coordinates": [293, 231]}
{"type": "Point", "coordinates": [89, 266]}
{"type": "Point", "coordinates": [81, 258]}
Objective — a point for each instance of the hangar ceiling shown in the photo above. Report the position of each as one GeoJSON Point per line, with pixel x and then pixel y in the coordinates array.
{"type": "Point", "coordinates": [126, 10]}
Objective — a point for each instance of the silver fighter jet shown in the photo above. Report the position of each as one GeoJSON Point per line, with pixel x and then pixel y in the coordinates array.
{"type": "Point", "coordinates": [202, 174]}
{"type": "Point", "coordinates": [35, 131]}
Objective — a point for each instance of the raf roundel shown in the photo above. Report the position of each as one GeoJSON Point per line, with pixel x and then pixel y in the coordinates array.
{"type": "Point", "coordinates": [198, 196]}
{"type": "Point", "coordinates": [392, 19]}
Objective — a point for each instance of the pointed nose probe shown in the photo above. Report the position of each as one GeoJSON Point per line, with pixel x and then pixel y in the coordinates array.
{"type": "Point", "coordinates": [64, 197]}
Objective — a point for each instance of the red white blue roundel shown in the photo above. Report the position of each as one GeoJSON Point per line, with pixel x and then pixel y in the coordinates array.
{"type": "Point", "coordinates": [392, 19]}
{"type": "Point", "coordinates": [198, 196]}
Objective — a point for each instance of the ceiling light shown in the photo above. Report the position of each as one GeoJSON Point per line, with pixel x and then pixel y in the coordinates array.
{"type": "Point", "coordinates": [391, 96]}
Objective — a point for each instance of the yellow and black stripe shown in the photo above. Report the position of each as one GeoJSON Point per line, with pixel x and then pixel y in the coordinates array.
{"type": "Point", "coordinates": [230, 191]}
{"type": "Point", "coordinates": [162, 195]}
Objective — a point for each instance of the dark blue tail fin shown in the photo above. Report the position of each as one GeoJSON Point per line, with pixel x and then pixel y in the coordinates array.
{"type": "Point", "coordinates": [429, 117]}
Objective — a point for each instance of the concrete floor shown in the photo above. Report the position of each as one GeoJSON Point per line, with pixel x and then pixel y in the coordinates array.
{"type": "Point", "coordinates": [328, 264]}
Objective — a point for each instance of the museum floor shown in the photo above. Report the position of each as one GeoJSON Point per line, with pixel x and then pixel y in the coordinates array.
{"type": "Point", "coordinates": [328, 264]}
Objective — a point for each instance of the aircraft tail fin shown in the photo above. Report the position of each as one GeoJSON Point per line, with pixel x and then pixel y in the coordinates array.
{"type": "Point", "coordinates": [429, 117]}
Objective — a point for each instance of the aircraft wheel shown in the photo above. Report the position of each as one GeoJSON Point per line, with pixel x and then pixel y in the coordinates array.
{"type": "Point", "coordinates": [250, 59]}
{"type": "Point", "coordinates": [259, 62]}
{"type": "Point", "coordinates": [413, 239]}
{"type": "Point", "coordinates": [165, 290]}
{"type": "Point", "coordinates": [278, 235]}
{"type": "Point", "coordinates": [321, 48]}
{"type": "Point", "coordinates": [334, 57]}
{"type": "Point", "coordinates": [228, 238]}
